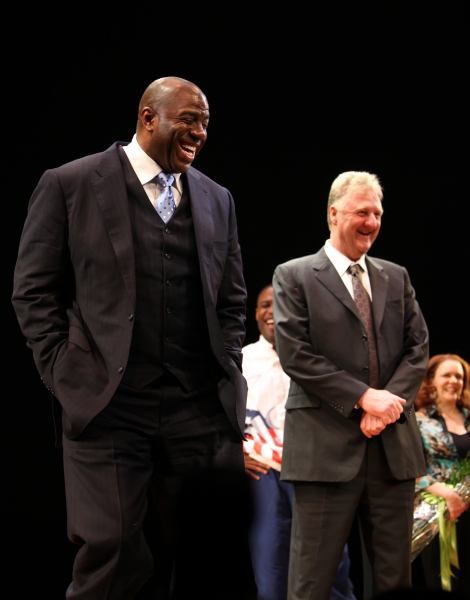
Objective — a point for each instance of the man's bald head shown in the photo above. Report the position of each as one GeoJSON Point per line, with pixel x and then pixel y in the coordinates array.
{"type": "Point", "coordinates": [172, 123]}
{"type": "Point", "coordinates": [161, 92]}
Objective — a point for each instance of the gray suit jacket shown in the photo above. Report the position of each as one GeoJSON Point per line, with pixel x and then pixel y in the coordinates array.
{"type": "Point", "coordinates": [74, 289]}
{"type": "Point", "coordinates": [323, 348]}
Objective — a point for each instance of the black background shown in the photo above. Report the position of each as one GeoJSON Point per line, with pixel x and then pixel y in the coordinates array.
{"type": "Point", "coordinates": [298, 93]}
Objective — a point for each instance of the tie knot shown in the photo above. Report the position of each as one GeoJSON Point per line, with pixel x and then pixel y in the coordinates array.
{"type": "Point", "coordinates": [165, 179]}
{"type": "Point", "coordinates": [355, 270]}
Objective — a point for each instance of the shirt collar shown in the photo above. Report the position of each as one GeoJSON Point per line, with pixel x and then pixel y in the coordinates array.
{"type": "Point", "coordinates": [342, 262]}
{"type": "Point", "coordinates": [433, 411]}
{"type": "Point", "coordinates": [145, 167]}
{"type": "Point", "coordinates": [264, 342]}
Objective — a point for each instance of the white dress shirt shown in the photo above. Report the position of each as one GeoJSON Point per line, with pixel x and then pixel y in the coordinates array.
{"type": "Point", "coordinates": [342, 263]}
{"type": "Point", "coordinates": [147, 169]}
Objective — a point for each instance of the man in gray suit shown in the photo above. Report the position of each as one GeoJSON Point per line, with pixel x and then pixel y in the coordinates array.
{"type": "Point", "coordinates": [129, 290]}
{"type": "Point", "coordinates": [351, 337]}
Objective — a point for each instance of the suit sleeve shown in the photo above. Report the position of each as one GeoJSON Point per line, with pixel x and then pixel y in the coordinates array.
{"type": "Point", "coordinates": [231, 299]}
{"type": "Point", "coordinates": [42, 275]}
{"type": "Point", "coordinates": [411, 367]}
{"type": "Point", "coordinates": [314, 373]}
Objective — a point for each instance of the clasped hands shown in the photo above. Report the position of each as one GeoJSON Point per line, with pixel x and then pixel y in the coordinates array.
{"type": "Point", "coordinates": [380, 409]}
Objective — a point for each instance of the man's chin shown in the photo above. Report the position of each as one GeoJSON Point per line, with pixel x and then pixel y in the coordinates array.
{"type": "Point", "coordinates": [269, 337]}
{"type": "Point", "coordinates": [181, 167]}
{"type": "Point", "coordinates": [364, 246]}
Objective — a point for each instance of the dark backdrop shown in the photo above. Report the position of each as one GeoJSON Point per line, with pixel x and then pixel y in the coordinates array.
{"type": "Point", "coordinates": [297, 96]}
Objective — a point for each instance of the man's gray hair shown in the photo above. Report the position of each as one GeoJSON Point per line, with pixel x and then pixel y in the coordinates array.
{"type": "Point", "coordinates": [351, 179]}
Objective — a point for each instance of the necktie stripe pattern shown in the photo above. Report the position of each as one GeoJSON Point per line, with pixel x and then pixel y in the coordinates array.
{"type": "Point", "coordinates": [364, 306]}
{"type": "Point", "coordinates": [166, 202]}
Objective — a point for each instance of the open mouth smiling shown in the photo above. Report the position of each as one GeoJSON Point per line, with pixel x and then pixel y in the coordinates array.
{"type": "Point", "coordinates": [189, 150]}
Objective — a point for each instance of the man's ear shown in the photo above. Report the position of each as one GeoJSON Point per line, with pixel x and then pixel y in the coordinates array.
{"type": "Point", "coordinates": [148, 118]}
{"type": "Point", "coordinates": [333, 215]}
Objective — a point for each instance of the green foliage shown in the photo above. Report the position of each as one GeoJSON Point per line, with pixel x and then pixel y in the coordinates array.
{"type": "Point", "coordinates": [460, 470]}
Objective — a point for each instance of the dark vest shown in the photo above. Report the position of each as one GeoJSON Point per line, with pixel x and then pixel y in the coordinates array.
{"type": "Point", "coordinates": [170, 327]}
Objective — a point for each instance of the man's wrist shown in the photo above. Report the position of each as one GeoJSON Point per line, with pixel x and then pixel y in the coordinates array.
{"type": "Point", "coordinates": [359, 402]}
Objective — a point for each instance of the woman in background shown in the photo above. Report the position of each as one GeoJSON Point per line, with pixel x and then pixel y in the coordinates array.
{"type": "Point", "coordinates": [444, 422]}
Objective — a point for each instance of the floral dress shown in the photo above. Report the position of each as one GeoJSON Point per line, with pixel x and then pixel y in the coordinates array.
{"type": "Point", "coordinates": [439, 449]}
{"type": "Point", "coordinates": [441, 454]}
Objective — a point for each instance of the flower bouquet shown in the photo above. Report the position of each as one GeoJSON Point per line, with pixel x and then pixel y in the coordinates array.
{"type": "Point", "coordinates": [431, 517]}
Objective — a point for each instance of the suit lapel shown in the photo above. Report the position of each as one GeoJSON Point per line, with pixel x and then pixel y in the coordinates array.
{"type": "Point", "coordinates": [328, 276]}
{"type": "Point", "coordinates": [203, 226]}
{"type": "Point", "coordinates": [379, 286]}
{"type": "Point", "coordinates": [109, 187]}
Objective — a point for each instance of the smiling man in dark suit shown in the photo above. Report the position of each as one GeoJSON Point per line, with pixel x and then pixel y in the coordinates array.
{"type": "Point", "coordinates": [129, 290]}
{"type": "Point", "coordinates": [351, 337]}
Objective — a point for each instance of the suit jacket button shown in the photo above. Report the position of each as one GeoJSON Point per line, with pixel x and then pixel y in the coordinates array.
{"type": "Point", "coordinates": [167, 255]}
{"type": "Point", "coordinates": [364, 337]}
{"type": "Point", "coordinates": [167, 230]}
{"type": "Point", "coordinates": [130, 317]}
{"type": "Point", "coordinates": [168, 310]}
{"type": "Point", "coordinates": [120, 369]}
{"type": "Point", "coordinates": [365, 369]}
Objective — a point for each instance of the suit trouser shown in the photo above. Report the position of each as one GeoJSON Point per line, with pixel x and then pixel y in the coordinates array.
{"type": "Point", "coordinates": [139, 448]}
{"type": "Point", "coordinates": [323, 517]}
{"type": "Point", "coordinates": [269, 536]}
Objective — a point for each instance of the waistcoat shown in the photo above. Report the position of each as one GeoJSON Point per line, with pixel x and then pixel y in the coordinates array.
{"type": "Point", "coordinates": [170, 326]}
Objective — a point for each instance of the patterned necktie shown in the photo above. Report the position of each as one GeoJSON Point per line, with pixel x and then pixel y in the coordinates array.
{"type": "Point", "coordinates": [165, 201]}
{"type": "Point", "coordinates": [364, 306]}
